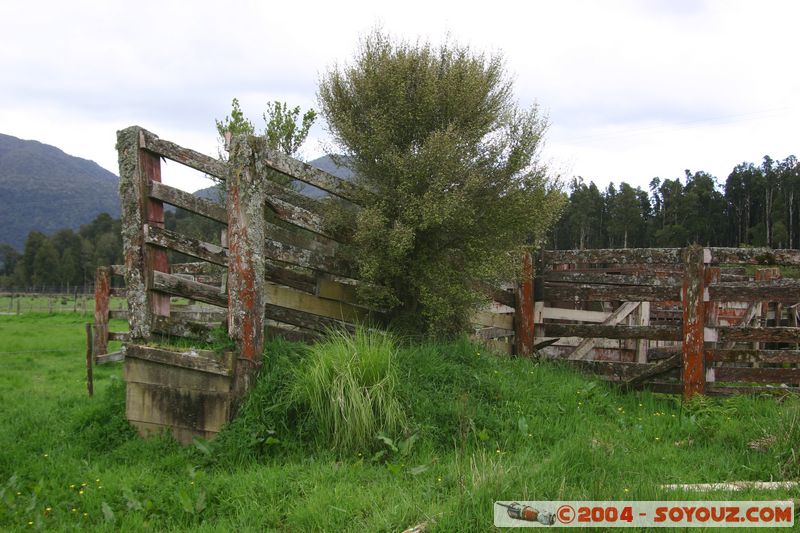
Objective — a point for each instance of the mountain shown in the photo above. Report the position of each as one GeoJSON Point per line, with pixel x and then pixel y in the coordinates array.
{"type": "Point", "coordinates": [44, 189]}
{"type": "Point", "coordinates": [323, 163]}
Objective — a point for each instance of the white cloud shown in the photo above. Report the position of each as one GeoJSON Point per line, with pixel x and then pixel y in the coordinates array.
{"type": "Point", "coordinates": [633, 89]}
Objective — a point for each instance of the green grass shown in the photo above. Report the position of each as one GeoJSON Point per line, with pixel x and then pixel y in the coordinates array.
{"type": "Point", "coordinates": [479, 428]}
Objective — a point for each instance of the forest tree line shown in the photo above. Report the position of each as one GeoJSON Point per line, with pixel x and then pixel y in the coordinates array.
{"type": "Point", "coordinates": [756, 206]}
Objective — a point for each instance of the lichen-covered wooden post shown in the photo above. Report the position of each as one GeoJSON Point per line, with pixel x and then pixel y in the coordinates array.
{"type": "Point", "coordinates": [246, 248]}
{"type": "Point", "coordinates": [523, 317]}
{"type": "Point", "coordinates": [692, 297]}
{"type": "Point", "coordinates": [137, 167]}
{"type": "Point", "coordinates": [102, 294]}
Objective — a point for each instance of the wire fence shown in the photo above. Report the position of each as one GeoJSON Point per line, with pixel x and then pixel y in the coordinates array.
{"type": "Point", "coordinates": [51, 303]}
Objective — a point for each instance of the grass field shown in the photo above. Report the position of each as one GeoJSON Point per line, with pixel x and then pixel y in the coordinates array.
{"type": "Point", "coordinates": [482, 428]}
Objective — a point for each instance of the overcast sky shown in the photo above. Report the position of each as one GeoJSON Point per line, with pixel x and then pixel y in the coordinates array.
{"type": "Point", "coordinates": [633, 89]}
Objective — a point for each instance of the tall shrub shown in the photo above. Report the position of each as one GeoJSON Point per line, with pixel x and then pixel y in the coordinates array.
{"type": "Point", "coordinates": [450, 162]}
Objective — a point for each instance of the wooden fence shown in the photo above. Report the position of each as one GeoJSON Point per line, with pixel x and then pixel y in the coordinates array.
{"type": "Point", "coordinates": [280, 265]}
{"type": "Point", "coordinates": [279, 270]}
{"type": "Point", "coordinates": [676, 320]}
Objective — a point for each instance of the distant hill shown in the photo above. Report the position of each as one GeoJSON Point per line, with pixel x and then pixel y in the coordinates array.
{"type": "Point", "coordinates": [44, 189]}
{"type": "Point", "coordinates": [323, 163]}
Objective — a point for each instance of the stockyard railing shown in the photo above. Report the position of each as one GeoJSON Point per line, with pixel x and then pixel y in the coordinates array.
{"type": "Point", "coordinates": [675, 320]}
{"type": "Point", "coordinates": [279, 266]}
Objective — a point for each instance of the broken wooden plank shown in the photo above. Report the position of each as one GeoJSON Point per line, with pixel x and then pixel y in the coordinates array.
{"type": "Point", "coordinates": [171, 240]}
{"type": "Point", "coordinates": [177, 286]}
{"type": "Point", "coordinates": [656, 333]}
{"type": "Point", "coordinates": [188, 202]}
{"type": "Point", "coordinates": [784, 290]}
{"type": "Point", "coordinates": [604, 293]}
{"type": "Point", "coordinates": [496, 294]}
{"type": "Point", "coordinates": [199, 267]}
{"type": "Point", "coordinates": [585, 348]}
{"type": "Point", "coordinates": [185, 156]}
{"type": "Point", "coordinates": [622, 256]}
{"type": "Point", "coordinates": [652, 370]}
{"type": "Point", "coordinates": [754, 256]}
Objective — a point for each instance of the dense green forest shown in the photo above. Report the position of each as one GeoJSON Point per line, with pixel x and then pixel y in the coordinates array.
{"type": "Point", "coordinates": [756, 206]}
{"type": "Point", "coordinates": [67, 259]}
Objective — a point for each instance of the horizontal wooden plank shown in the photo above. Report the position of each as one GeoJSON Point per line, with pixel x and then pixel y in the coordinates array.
{"type": "Point", "coordinates": [492, 333]}
{"type": "Point", "coordinates": [714, 389]}
{"type": "Point", "coordinates": [176, 408]}
{"type": "Point", "coordinates": [753, 356]}
{"type": "Point", "coordinates": [196, 268]}
{"type": "Point", "coordinates": [567, 276]}
{"type": "Point", "coordinates": [171, 240]}
{"type": "Point", "coordinates": [139, 370]}
{"type": "Point", "coordinates": [286, 253]}
{"type": "Point", "coordinates": [658, 353]}
{"type": "Point", "coordinates": [558, 313]}
{"type": "Point", "coordinates": [757, 375]}
{"type": "Point", "coordinates": [313, 176]}
{"type": "Point", "coordinates": [291, 334]}
{"type": "Point", "coordinates": [123, 336]}
{"type": "Point", "coordinates": [302, 319]}
{"type": "Point", "coordinates": [188, 201]}
{"type": "Point", "coordinates": [651, 370]}
{"type": "Point", "coordinates": [754, 256]}
{"type": "Point", "coordinates": [782, 290]}
{"type": "Point", "coordinates": [117, 270]}
{"type": "Point", "coordinates": [185, 156]}
{"type": "Point", "coordinates": [302, 239]}
{"type": "Point", "coordinates": [178, 327]}
{"type": "Point", "coordinates": [298, 216]}
{"type": "Point", "coordinates": [112, 357]}
{"type": "Point", "coordinates": [751, 334]}
{"type": "Point", "coordinates": [605, 293]}
{"type": "Point", "coordinates": [500, 346]}
{"type": "Point", "coordinates": [496, 294]}
{"type": "Point", "coordinates": [334, 290]}
{"type": "Point", "coordinates": [621, 256]}
{"type": "Point", "coordinates": [662, 333]}
{"type": "Point", "coordinates": [494, 320]}
{"type": "Point", "coordinates": [200, 360]}
{"type": "Point", "coordinates": [295, 277]}
{"type": "Point", "coordinates": [293, 197]}
{"type": "Point", "coordinates": [177, 286]}
{"type": "Point", "coordinates": [301, 301]}
{"type": "Point", "coordinates": [571, 342]}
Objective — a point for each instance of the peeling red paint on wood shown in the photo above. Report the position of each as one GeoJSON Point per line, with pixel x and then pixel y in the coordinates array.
{"type": "Point", "coordinates": [693, 323]}
{"type": "Point", "coordinates": [523, 318]}
{"type": "Point", "coordinates": [102, 295]}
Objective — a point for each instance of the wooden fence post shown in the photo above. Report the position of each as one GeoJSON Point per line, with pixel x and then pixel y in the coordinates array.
{"type": "Point", "coordinates": [692, 298]}
{"type": "Point", "coordinates": [137, 167]}
{"type": "Point", "coordinates": [523, 317]}
{"type": "Point", "coordinates": [102, 294]}
{"type": "Point", "coordinates": [89, 356]}
{"type": "Point", "coordinates": [246, 201]}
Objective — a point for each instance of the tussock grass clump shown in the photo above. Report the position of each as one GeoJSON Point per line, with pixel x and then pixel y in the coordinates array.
{"type": "Point", "coordinates": [347, 387]}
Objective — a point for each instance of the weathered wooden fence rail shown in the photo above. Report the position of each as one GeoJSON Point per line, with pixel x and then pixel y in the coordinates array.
{"type": "Point", "coordinates": [677, 320]}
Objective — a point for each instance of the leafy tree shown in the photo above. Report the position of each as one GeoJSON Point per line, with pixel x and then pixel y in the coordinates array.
{"type": "Point", "coordinates": [8, 259]}
{"type": "Point", "coordinates": [455, 188]}
{"type": "Point", "coordinates": [45, 265]}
